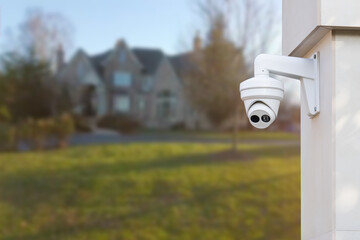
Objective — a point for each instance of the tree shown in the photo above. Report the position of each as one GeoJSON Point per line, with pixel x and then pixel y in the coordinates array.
{"type": "Point", "coordinates": [63, 101]}
{"type": "Point", "coordinates": [41, 34]}
{"type": "Point", "coordinates": [212, 85]}
{"type": "Point", "coordinates": [27, 85]}
{"type": "Point", "coordinates": [258, 26]}
{"type": "Point", "coordinates": [254, 25]}
{"type": "Point", "coordinates": [237, 32]}
{"type": "Point", "coordinates": [25, 88]}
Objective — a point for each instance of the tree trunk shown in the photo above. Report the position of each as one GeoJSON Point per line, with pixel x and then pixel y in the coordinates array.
{"type": "Point", "coordinates": [235, 129]}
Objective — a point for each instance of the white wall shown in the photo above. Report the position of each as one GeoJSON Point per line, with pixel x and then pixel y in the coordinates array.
{"type": "Point", "coordinates": [305, 22]}
{"type": "Point", "coordinates": [317, 153]}
{"type": "Point", "coordinates": [340, 13]}
{"type": "Point", "coordinates": [347, 134]}
{"type": "Point", "coordinates": [330, 143]}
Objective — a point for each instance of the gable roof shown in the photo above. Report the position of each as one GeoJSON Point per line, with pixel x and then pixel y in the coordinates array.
{"type": "Point", "coordinates": [97, 61]}
{"type": "Point", "coordinates": [80, 52]}
{"type": "Point", "coordinates": [182, 63]}
{"type": "Point", "coordinates": [149, 58]}
{"type": "Point", "coordinates": [99, 58]}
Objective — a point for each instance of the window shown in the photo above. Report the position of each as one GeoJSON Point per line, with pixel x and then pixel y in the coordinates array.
{"type": "Point", "coordinates": [166, 104]}
{"type": "Point", "coordinates": [122, 103]}
{"type": "Point", "coordinates": [147, 83]}
{"type": "Point", "coordinates": [122, 79]}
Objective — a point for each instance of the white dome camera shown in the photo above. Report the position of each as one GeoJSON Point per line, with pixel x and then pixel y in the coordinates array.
{"type": "Point", "coordinates": [262, 94]}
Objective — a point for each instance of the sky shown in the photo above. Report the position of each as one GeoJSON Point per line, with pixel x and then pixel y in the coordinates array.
{"type": "Point", "coordinates": [98, 24]}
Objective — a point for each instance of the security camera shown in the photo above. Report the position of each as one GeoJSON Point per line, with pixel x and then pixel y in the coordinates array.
{"type": "Point", "coordinates": [262, 94]}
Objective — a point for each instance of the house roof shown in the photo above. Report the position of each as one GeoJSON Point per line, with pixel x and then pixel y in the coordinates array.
{"type": "Point", "coordinates": [97, 61]}
{"type": "Point", "coordinates": [149, 58]}
{"type": "Point", "coordinates": [182, 63]}
{"type": "Point", "coordinates": [99, 58]}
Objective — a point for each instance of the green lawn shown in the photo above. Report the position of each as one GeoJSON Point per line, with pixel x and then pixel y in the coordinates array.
{"type": "Point", "coordinates": [251, 135]}
{"type": "Point", "coordinates": [242, 135]}
{"type": "Point", "coordinates": [152, 192]}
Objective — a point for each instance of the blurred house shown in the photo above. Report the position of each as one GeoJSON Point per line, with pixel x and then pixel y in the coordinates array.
{"type": "Point", "coordinates": [142, 83]}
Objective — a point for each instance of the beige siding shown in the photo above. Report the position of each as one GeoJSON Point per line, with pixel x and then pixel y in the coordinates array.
{"type": "Point", "coordinates": [165, 79]}
{"type": "Point", "coordinates": [78, 79]}
{"type": "Point", "coordinates": [130, 65]}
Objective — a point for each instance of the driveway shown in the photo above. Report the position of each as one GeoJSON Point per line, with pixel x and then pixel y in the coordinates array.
{"type": "Point", "coordinates": [101, 136]}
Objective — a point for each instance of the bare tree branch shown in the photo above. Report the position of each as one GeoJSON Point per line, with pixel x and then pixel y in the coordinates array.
{"type": "Point", "coordinates": [41, 34]}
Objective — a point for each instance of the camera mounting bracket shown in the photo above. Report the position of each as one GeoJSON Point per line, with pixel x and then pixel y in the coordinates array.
{"type": "Point", "coordinates": [304, 69]}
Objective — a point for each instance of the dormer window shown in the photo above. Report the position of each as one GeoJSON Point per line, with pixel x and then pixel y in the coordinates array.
{"type": "Point", "coordinates": [122, 79]}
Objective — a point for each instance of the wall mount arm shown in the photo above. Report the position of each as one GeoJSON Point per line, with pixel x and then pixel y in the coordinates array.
{"type": "Point", "coordinates": [304, 69]}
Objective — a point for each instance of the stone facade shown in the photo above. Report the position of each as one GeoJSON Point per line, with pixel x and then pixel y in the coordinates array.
{"type": "Point", "coordinates": [141, 83]}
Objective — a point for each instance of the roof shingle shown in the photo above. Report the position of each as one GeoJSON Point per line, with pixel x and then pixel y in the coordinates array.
{"type": "Point", "coordinates": [149, 58]}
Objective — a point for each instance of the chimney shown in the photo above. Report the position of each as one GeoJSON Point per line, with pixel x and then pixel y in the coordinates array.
{"type": "Point", "coordinates": [60, 58]}
{"type": "Point", "coordinates": [120, 43]}
{"type": "Point", "coordinates": [197, 42]}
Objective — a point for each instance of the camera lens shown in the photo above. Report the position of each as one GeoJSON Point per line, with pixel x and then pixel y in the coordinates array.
{"type": "Point", "coordinates": [265, 118]}
{"type": "Point", "coordinates": [255, 118]}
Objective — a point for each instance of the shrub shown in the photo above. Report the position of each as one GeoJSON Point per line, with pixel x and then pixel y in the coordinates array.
{"type": "Point", "coordinates": [120, 123]}
{"type": "Point", "coordinates": [26, 130]}
{"type": "Point", "coordinates": [34, 132]}
{"type": "Point", "coordinates": [7, 137]}
{"type": "Point", "coordinates": [41, 131]}
{"type": "Point", "coordinates": [5, 115]}
{"type": "Point", "coordinates": [63, 128]}
{"type": "Point", "coordinates": [178, 126]}
{"type": "Point", "coordinates": [38, 131]}
{"type": "Point", "coordinates": [81, 124]}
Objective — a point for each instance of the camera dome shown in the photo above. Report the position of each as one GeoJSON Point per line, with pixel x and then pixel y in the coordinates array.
{"type": "Point", "coordinates": [262, 95]}
{"type": "Point", "coordinates": [261, 116]}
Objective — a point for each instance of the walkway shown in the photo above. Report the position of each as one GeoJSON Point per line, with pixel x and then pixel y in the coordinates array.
{"type": "Point", "coordinates": [109, 137]}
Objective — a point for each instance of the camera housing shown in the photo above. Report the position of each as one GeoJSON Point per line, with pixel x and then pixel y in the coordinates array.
{"type": "Point", "coordinates": [262, 94]}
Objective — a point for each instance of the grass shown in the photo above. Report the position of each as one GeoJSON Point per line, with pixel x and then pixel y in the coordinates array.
{"type": "Point", "coordinates": [242, 135]}
{"type": "Point", "coordinates": [151, 192]}
{"type": "Point", "coordinates": [250, 135]}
